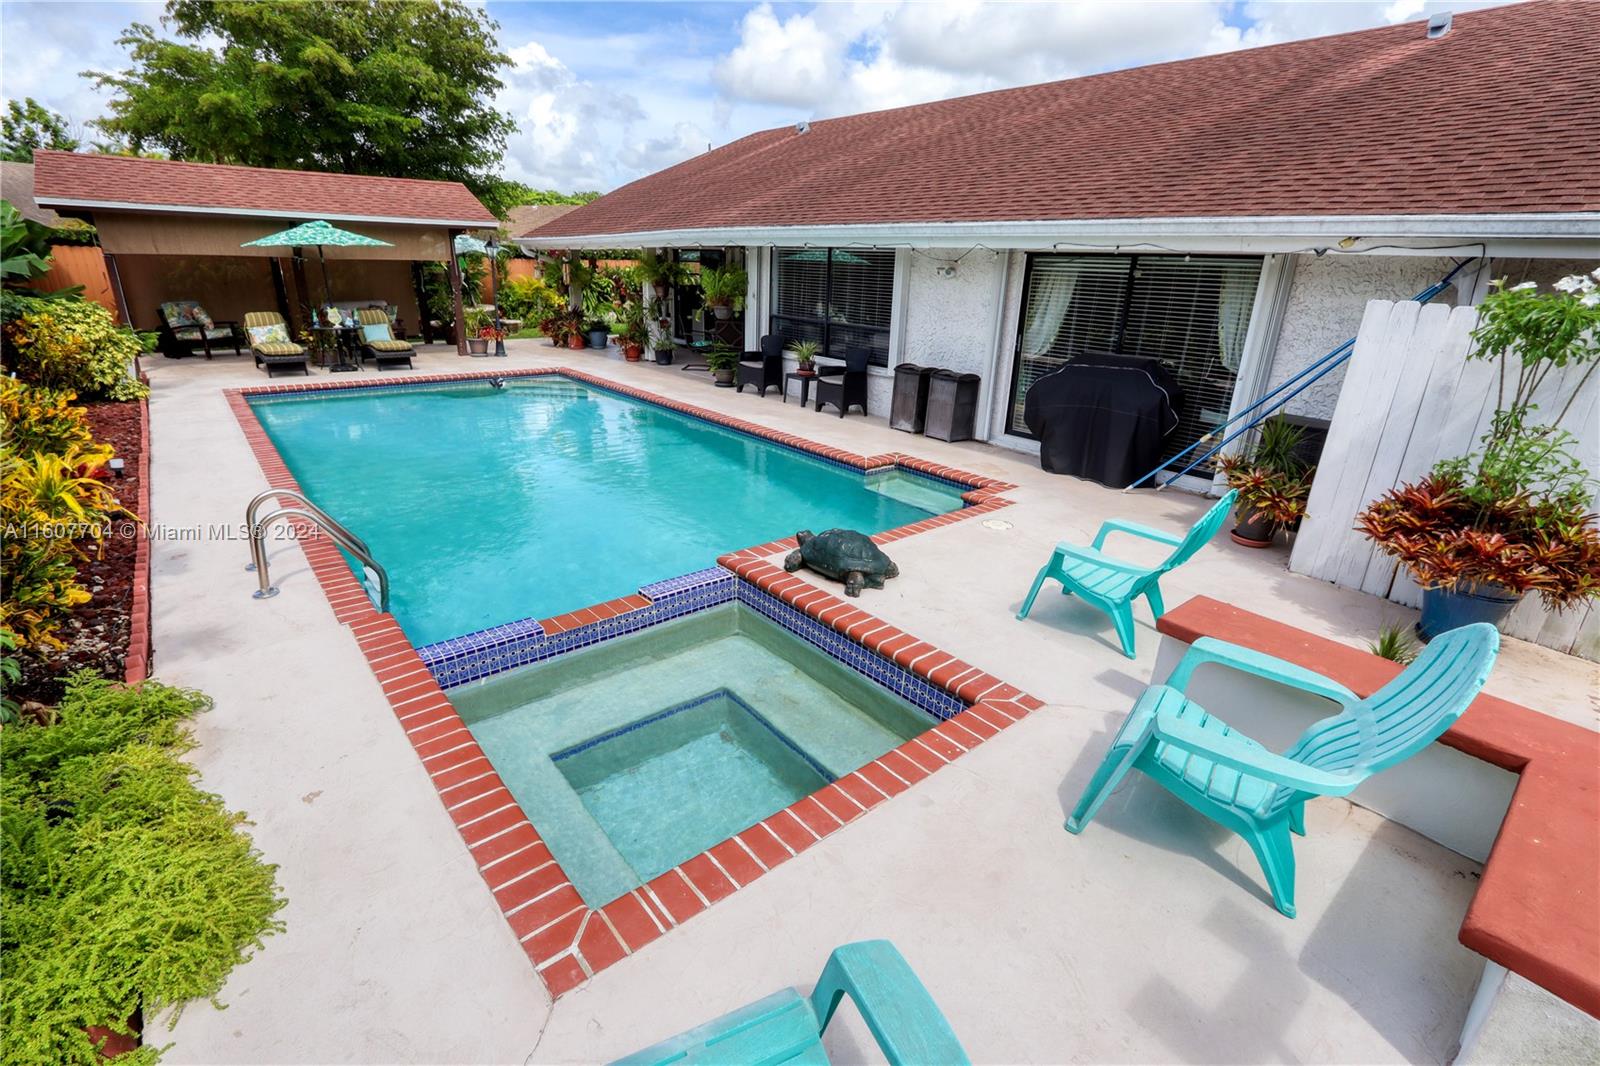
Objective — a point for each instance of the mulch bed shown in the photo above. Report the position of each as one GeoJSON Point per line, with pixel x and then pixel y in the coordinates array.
{"type": "Point", "coordinates": [96, 633]}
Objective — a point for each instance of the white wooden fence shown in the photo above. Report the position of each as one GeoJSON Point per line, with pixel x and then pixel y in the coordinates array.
{"type": "Point", "coordinates": [1410, 398]}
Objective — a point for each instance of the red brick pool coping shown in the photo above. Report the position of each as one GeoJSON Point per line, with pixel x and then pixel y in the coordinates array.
{"type": "Point", "coordinates": [1537, 908]}
{"type": "Point", "coordinates": [567, 941]}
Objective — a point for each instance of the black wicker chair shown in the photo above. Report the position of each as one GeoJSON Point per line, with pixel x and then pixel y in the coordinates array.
{"type": "Point", "coordinates": [763, 369]}
{"type": "Point", "coordinates": [845, 387]}
{"type": "Point", "coordinates": [182, 333]}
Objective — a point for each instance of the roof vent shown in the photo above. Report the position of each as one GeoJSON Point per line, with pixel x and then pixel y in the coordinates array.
{"type": "Point", "coordinates": [802, 127]}
{"type": "Point", "coordinates": [1439, 25]}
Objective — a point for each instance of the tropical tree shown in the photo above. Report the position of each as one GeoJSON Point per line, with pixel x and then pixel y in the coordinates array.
{"type": "Point", "coordinates": [29, 126]}
{"type": "Point", "coordinates": [353, 86]}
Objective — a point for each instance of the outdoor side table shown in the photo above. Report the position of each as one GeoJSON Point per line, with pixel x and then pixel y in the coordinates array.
{"type": "Point", "coordinates": [805, 377]}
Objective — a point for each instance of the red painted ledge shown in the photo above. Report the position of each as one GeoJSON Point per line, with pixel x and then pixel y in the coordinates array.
{"type": "Point", "coordinates": [1537, 908]}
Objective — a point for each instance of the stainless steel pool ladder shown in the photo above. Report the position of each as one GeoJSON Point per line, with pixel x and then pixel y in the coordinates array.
{"type": "Point", "coordinates": [318, 517]}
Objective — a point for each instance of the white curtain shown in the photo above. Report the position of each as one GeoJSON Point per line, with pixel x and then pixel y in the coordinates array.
{"type": "Point", "coordinates": [1047, 307]}
{"type": "Point", "coordinates": [1237, 295]}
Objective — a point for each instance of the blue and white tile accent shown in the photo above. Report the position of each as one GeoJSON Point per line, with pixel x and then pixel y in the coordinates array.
{"type": "Point", "coordinates": [494, 651]}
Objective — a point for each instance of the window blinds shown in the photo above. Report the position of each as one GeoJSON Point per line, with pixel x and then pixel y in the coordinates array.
{"type": "Point", "coordinates": [1190, 312]}
{"type": "Point", "coordinates": [840, 298]}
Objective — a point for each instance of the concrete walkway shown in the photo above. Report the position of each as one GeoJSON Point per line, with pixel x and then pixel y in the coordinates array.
{"type": "Point", "coordinates": [1148, 938]}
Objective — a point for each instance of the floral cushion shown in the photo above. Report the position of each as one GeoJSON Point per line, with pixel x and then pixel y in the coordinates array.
{"type": "Point", "coordinates": [181, 313]}
{"type": "Point", "coordinates": [274, 333]}
{"type": "Point", "coordinates": [193, 333]}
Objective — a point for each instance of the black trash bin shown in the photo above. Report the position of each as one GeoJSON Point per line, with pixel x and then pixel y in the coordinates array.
{"type": "Point", "coordinates": [952, 405]}
{"type": "Point", "coordinates": [910, 405]}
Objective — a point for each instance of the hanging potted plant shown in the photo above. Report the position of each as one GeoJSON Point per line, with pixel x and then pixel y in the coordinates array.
{"type": "Point", "coordinates": [1482, 531]}
{"type": "Point", "coordinates": [722, 358]}
{"type": "Point", "coordinates": [724, 290]}
{"type": "Point", "coordinates": [1273, 482]}
{"type": "Point", "coordinates": [805, 354]}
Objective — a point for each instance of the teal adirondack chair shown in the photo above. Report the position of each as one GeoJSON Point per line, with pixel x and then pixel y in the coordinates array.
{"type": "Point", "coordinates": [786, 1027]}
{"type": "Point", "coordinates": [1111, 584]}
{"type": "Point", "coordinates": [1233, 780]}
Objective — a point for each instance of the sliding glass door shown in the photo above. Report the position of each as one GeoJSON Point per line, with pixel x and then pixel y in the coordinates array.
{"type": "Point", "coordinates": [1189, 312]}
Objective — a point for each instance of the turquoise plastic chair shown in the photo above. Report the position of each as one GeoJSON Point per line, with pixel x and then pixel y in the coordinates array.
{"type": "Point", "coordinates": [1111, 584]}
{"type": "Point", "coordinates": [786, 1027]}
{"type": "Point", "coordinates": [1231, 779]}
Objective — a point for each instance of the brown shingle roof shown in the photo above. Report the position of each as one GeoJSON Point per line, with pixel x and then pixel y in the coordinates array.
{"type": "Point", "coordinates": [523, 220]}
{"type": "Point", "coordinates": [1497, 116]}
{"type": "Point", "coordinates": [16, 185]}
{"type": "Point", "coordinates": [64, 179]}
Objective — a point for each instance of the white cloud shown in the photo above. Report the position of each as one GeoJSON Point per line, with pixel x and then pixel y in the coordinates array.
{"type": "Point", "coordinates": [565, 124]}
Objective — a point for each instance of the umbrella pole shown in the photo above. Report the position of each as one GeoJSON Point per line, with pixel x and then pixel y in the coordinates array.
{"type": "Point", "coordinates": [327, 286]}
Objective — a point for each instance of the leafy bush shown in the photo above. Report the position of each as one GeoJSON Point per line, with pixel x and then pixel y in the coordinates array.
{"type": "Point", "coordinates": [528, 299]}
{"type": "Point", "coordinates": [41, 420]}
{"type": "Point", "coordinates": [124, 885]}
{"type": "Point", "coordinates": [77, 345]}
{"type": "Point", "coordinates": [1274, 483]}
{"type": "Point", "coordinates": [1515, 514]}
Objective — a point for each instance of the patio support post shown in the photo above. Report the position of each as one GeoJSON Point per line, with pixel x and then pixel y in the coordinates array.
{"type": "Point", "coordinates": [455, 291]}
{"type": "Point", "coordinates": [116, 287]}
{"type": "Point", "coordinates": [280, 289]}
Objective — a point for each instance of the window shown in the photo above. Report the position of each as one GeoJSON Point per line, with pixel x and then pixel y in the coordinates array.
{"type": "Point", "coordinates": [1189, 312]}
{"type": "Point", "coordinates": [840, 298]}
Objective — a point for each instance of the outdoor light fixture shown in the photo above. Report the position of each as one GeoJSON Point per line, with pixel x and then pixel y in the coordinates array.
{"type": "Point", "coordinates": [492, 247]}
{"type": "Point", "coordinates": [115, 466]}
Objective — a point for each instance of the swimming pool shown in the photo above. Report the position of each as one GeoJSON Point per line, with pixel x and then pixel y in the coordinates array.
{"type": "Point", "coordinates": [489, 505]}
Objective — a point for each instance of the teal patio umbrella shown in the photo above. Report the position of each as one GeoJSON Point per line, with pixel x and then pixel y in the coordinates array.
{"type": "Point", "coordinates": [321, 234]}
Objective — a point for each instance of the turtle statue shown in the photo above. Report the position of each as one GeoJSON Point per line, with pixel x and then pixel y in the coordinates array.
{"type": "Point", "coordinates": [844, 555]}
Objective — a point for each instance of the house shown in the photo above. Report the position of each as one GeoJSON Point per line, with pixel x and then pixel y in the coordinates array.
{"type": "Point", "coordinates": [174, 231]}
{"type": "Point", "coordinates": [1230, 215]}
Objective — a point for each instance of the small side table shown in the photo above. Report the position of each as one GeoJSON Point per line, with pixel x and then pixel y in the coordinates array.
{"type": "Point", "coordinates": [805, 377]}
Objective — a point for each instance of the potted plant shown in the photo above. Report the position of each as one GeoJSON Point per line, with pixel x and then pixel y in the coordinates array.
{"type": "Point", "coordinates": [599, 333]}
{"type": "Point", "coordinates": [633, 331]}
{"type": "Point", "coordinates": [1274, 483]}
{"type": "Point", "coordinates": [724, 290]}
{"type": "Point", "coordinates": [478, 320]}
{"type": "Point", "coordinates": [722, 358]}
{"type": "Point", "coordinates": [805, 353]}
{"type": "Point", "coordinates": [1481, 531]}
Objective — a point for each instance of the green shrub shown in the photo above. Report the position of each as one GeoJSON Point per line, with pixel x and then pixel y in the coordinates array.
{"type": "Point", "coordinates": [528, 299]}
{"type": "Point", "coordinates": [73, 344]}
{"type": "Point", "coordinates": [124, 885]}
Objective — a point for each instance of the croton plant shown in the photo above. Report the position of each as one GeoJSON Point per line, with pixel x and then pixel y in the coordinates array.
{"type": "Point", "coordinates": [1518, 512]}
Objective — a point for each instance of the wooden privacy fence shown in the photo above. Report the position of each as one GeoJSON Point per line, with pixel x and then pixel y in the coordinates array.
{"type": "Point", "coordinates": [1410, 398]}
{"type": "Point", "coordinates": [80, 264]}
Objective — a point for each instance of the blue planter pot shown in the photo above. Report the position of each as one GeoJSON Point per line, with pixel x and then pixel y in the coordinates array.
{"type": "Point", "coordinates": [1447, 609]}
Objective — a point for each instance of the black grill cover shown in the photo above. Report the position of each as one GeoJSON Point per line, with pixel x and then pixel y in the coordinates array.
{"type": "Point", "coordinates": [1103, 417]}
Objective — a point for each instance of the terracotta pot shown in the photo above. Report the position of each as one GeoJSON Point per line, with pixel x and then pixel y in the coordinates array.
{"type": "Point", "coordinates": [576, 342]}
{"type": "Point", "coordinates": [112, 1043]}
{"type": "Point", "coordinates": [632, 352]}
{"type": "Point", "coordinates": [1254, 531]}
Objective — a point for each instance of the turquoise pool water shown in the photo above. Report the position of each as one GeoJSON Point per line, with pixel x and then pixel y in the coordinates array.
{"type": "Point", "coordinates": [643, 751]}
{"type": "Point", "coordinates": [487, 506]}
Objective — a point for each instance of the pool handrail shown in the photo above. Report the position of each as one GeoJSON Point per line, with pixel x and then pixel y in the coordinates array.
{"type": "Point", "coordinates": [254, 506]}
{"type": "Point", "coordinates": [342, 536]}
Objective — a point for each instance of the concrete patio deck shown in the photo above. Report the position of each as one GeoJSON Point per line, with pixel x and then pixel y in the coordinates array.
{"type": "Point", "coordinates": [1148, 938]}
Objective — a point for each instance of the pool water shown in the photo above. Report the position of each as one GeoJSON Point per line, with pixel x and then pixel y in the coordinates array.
{"type": "Point", "coordinates": [487, 506]}
{"type": "Point", "coordinates": [643, 751]}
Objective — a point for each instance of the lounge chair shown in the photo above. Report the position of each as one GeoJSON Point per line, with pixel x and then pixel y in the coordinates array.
{"type": "Point", "coordinates": [844, 387]}
{"type": "Point", "coordinates": [763, 369]}
{"type": "Point", "coordinates": [378, 342]}
{"type": "Point", "coordinates": [786, 1027]}
{"type": "Point", "coordinates": [1111, 584]}
{"type": "Point", "coordinates": [187, 328]}
{"type": "Point", "coordinates": [1235, 781]}
{"type": "Point", "coordinates": [270, 343]}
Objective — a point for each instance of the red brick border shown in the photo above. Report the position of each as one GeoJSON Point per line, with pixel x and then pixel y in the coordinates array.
{"type": "Point", "coordinates": [566, 941]}
{"type": "Point", "coordinates": [136, 666]}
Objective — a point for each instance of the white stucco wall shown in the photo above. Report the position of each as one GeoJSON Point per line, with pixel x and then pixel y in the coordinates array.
{"type": "Point", "coordinates": [1326, 302]}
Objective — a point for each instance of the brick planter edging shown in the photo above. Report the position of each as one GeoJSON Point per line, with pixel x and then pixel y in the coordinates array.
{"type": "Point", "coordinates": [136, 666]}
{"type": "Point", "coordinates": [567, 941]}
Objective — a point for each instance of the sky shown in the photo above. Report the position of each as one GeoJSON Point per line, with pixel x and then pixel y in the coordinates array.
{"type": "Point", "coordinates": [604, 93]}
